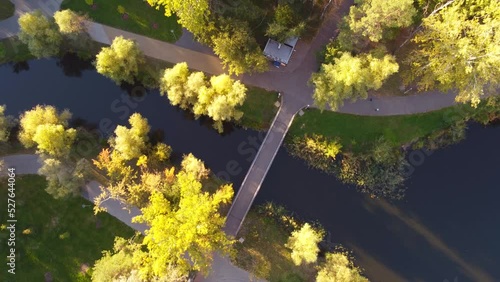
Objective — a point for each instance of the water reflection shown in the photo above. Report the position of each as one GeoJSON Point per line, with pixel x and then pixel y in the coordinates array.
{"type": "Point", "coordinates": [20, 67]}
{"type": "Point", "coordinates": [73, 66]}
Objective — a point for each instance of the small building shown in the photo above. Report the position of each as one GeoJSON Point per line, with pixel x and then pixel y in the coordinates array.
{"type": "Point", "coordinates": [280, 52]}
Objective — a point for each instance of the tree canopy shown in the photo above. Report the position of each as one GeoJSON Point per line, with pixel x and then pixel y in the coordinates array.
{"type": "Point", "coordinates": [339, 268]}
{"type": "Point", "coordinates": [40, 115]}
{"type": "Point", "coordinates": [193, 226]}
{"type": "Point", "coordinates": [372, 17]}
{"type": "Point", "coordinates": [131, 142]}
{"type": "Point", "coordinates": [121, 61]}
{"type": "Point", "coordinates": [64, 179]}
{"type": "Point", "coordinates": [185, 225]}
{"type": "Point", "coordinates": [54, 140]}
{"type": "Point", "coordinates": [350, 77]}
{"type": "Point", "coordinates": [459, 48]}
{"type": "Point", "coordinates": [191, 14]}
{"type": "Point", "coordinates": [304, 244]}
{"type": "Point", "coordinates": [237, 48]}
{"type": "Point", "coordinates": [285, 24]}
{"type": "Point", "coordinates": [219, 98]}
{"type": "Point", "coordinates": [40, 34]}
{"type": "Point", "coordinates": [180, 88]}
{"type": "Point", "coordinates": [69, 22]}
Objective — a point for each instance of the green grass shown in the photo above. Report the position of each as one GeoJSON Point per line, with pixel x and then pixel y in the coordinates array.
{"type": "Point", "coordinates": [263, 252]}
{"type": "Point", "coordinates": [258, 109]}
{"type": "Point", "coordinates": [6, 9]}
{"type": "Point", "coordinates": [43, 250]}
{"type": "Point", "coordinates": [358, 133]}
{"type": "Point", "coordinates": [141, 17]}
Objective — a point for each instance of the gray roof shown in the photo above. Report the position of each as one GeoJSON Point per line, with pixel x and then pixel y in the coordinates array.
{"type": "Point", "coordinates": [280, 52]}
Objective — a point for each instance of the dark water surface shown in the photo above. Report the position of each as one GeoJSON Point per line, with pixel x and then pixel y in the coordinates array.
{"type": "Point", "coordinates": [447, 227]}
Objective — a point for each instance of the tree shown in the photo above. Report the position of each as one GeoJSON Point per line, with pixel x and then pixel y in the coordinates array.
{"type": "Point", "coordinates": [238, 50]}
{"type": "Point", "coordinates": [70, 22]}
{"type": "Point", "coordinates": [131, 142]}
{"type": "Point", "coordinates": [121, 61]}
{"type": "Point", "coordinates": [304, 244]}
{"type": "Point", "coordinates": [181, 87]}
{"type": "Point", "coordinates": [350, 77]}
{"type": "Point", "coordinates": [372, 17]}
{"type": "Point", "coordinates": [218, 99]}
{"type": "Point", "coordinates": [339, 268]}
{"type": "Point", "coordinates": [63, 178]}
{"type": "Point", "coordinates": [54, 139]}
{"type": "Point", "coordinates": [184, 234]}
{"type": "Point", "coordinates": [40, 34]}
{"type": "Point", "coordinates": [123, 264]}
{"type": "Point", "coordinates": [40, 115]}
{"type": "Point", "coordinates": [5, 124]}
{"type": "Point", "coordinates": [221, 100]}
{"type": "Point", "coordinates": [191, 165]}
{"type": "Point", "coordinates": [459, 48]}
{"type": "Point", "coordinates": [285, 24]}
{"type": "Point", "coordinates": [192, 14]}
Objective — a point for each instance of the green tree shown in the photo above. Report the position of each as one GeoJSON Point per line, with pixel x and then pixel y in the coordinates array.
{"type": "Point", "coordinates": [193, 227]}
{"type": "Point", "coordinates": [192, 14]}
{"type": "Point", "coordinates": [285, 24]}
{"type": "Point", "coordinates": [192, 165]}
{"type": "Point", "coordinates": [304, 244]}
{"type": "Point", "coordinates": [459, 48]}
{"type": "Point", "coordinates": [123, 263]}
{"type": "Point", "coordinates": [64, 178]}
{"type": "Point", "coordinates": [221, 100]}
{"type": "Point", "coordinates": [39, 115]}
{"type": "Point", "coordinates": [238, 50]}
{"type": "Point", "coordinates": [131, 142]}
{"type": "Point", "coordinates": [5, 125]}
{"type": "Point", "coordinates": [121, 61]}
{"type": "Point", "coordinates": [180, 86]}
{"type": "Point", "coordinates": [70, 22]}
{"type": "Point", "coordinates": [372, 17]}
{"type": "Point", "coordinates": [339, 268]}
{"type": "Point", "coordinates": [54, 139]}
{"type": "Point", "coordinates": [40, 34]}
{"type": "Point", "coordinates": [350, 77]}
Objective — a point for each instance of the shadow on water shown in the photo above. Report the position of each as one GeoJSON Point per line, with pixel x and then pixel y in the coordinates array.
{"type": "Point", "coordinates": [72, 65]}
{"type": "Point", "coordinates": [20, 67]}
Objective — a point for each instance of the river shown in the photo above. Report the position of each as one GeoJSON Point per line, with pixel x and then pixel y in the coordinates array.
{"type": "Point", "coordinates": [447, 228]}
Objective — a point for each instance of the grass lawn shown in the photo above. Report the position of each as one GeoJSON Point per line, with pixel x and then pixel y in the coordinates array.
{"type": "Point", "coordinates": [65, 238]}
{"type": "Point", "coordinates": [259, 109]}
{"type": "Point", "coordinates": [263, 252]}
{"type": "Point", "coordinates": [6, 9]}
{"type": "Point", "coordinates": [142, 19]}
{"type": "Point", "coordinates": [359, 132]}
